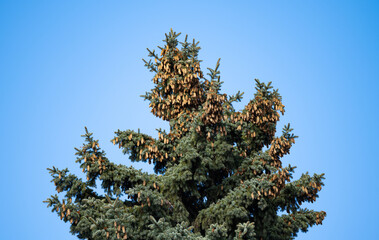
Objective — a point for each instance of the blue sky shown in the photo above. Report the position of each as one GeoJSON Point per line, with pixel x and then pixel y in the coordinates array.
{"type": "Point", "coordinates": [69, 64]}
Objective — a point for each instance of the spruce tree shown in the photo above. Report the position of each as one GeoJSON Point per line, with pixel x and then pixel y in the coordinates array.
{"type": "Point", "coordinates": [218, 171]}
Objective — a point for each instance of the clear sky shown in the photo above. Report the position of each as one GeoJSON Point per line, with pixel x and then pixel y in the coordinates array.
{"type": "Point", "coordinates": [69, 64]}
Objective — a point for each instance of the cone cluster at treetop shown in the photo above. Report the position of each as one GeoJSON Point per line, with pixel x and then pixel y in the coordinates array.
{"type": "Point", "coordinates": [212, 180]}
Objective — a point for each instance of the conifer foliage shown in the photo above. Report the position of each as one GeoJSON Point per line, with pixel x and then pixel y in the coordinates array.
{"type": "Point", "coordinates": [213, 179]}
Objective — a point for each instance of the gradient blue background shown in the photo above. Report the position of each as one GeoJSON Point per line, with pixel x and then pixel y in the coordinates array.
{"type": "Point", "coordinates": [69, 64]}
